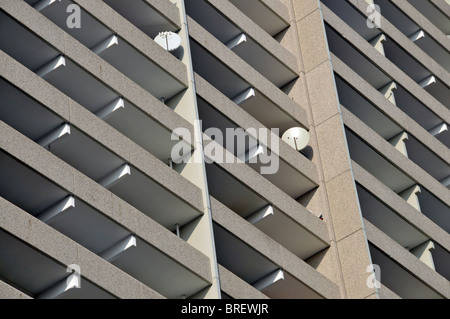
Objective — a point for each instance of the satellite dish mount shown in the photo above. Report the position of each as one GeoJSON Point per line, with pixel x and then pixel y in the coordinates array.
{"type": "Point", "coordinates": [297, 137]}
{"type": "Point", "coordinates": [170, 41]}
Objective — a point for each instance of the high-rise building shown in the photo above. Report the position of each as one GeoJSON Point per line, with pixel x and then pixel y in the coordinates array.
{"type": "Point", "coordinates": [211, 149]}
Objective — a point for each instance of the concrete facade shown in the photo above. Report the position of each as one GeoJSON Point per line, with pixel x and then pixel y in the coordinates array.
{"type": "Point", "coordinates": [95, 202]}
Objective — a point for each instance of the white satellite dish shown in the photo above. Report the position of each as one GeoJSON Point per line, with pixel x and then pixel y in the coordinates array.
{"type": "Point", "coordinates": [170, 41]}
{"type": "Point", "coordinates": [296, 137]}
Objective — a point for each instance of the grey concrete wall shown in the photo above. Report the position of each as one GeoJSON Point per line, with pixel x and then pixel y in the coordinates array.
{"type": "Point", "coordinates": [8, 292]}
{"type": "Point", "coordinates": [347, 258]}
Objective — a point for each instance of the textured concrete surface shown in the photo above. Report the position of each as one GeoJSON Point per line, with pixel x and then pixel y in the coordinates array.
{"type": "Point", "coordinates": [236, 288]}
{"type": "Point", "coordinates": [342, 186]}
{"type": "Point", "coordinates": [406, 44]}
{"type": "Point", "coordinates": [311, 99]}
{"type": "Point", "coordinates": [401, 207]}
{"type": "Point", "coordinates": [279, 199]}
{"type": "Point", "coordinates": [346, 268]}
{"type": "Point", "coordinates": [389, 152]}
{"type": "Point", "coordinates": [94, 64]}
{"type": "Point", "coordinates": [168, 9]}
{"type": "Point", "coordinates": [73, 182]}
{"type": "Point", "coordinates": [65, 251]}
{"type": "Point", "coordinates": [276, 6]}
{"type": "Point", "coordinates": [407, 260]}
{"type": "Point", "coordinates": [332, 147]}
{"type": "Point", "coordinates": [385, 106]}
{"type": "Point", "coordinates": [73, 113]}
{"type": "Point", "coordinates": [139, 40]}
{"type": "Point", "coordinates": [324, 103]}
{"type": "Point", "coordinates": [256, 33]}
{"type": "Point", "coordinates": [8, 292]}
{"type": "Point", "coordinates": [273, 251]}
{"type": "Point", "coordinates": [310, 38]}
{"type": "Point", "coordinates": [385, 65]}
{"type": "Point", "coordinates": [442, 5]}
{"type": "Point", "coordinates": [355, 260]}
{"type": "Point", "coordinates": [242, 119]}
{"type": "Point", "coordinates": [386, 293]}
{"type": "Point", "coordinates": [304, 8]}
{"type": "Point", "coordinates": [245, 71]}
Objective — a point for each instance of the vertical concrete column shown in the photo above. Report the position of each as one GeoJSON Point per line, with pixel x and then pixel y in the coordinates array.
{"type": "Point", "coordinates": [198, 233]}
{"type": "Point", "coordinates": [348, 258]}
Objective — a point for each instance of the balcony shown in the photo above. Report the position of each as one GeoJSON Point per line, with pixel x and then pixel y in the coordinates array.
{"type": "Point", "coordinates": [406, 144]}
{"type": "Point", "coordinates": [432, 13]}
{"type": "Point", "coordinates": [346, 12]}
{"type": "Point", "coordinates": [366, 111]}
{"type": "Point", "coordinates": [288, 177]}
{"type": "Point", "coordinates": [416, 71]}
{"type": "Point", "coordinates": [234, 87]}
{"type": "Point", "coordinates": [271, 16]}
{"type": "Point", "coordinates": [261, 57]}
{"type": "Point", "coordinates": [353, 91]}
{"type": "Point", "coordinates": [284, 225]}
{"type": "Point", "coordinates": [420, 113]}
{"type": "Point", "coordinates": [377, 165]}
{"type": "Point", "coordinates": [404, 233]}
{"type": "Point", "coordinates": [112, 48]}
{"type": "Point", "coordinates": [387, 220]}
{"type": "Point", "coordinates": [92, 159]}
{"type": "Point", "coordinates": [427, 160]}
{"type": "Point", "coordinates": [355, 60]}
{"type": "Point", "coordinates": [146, 16]}
{"type": "Point", "coordinates": [351, 15]}
{"type": "Point", "coordinates": [407, 275]}
{"type": "Point", "coordinates": [89, 91]}
{"type": "Point", "coordinates": [258, 271]}
{"type": "Point", "coordinates": [412, 30]}
{"type": "Point", "coordinates": [380, 72]}
{"type": "Point", "coordinates": [399, 280]}
{"type": "Point", "coordinates": [79, 221]}
{"type": "Point", "coordinates": [35, 274]}
{"type": "Point", "coordinates": [434, 209]}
